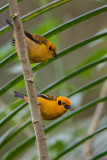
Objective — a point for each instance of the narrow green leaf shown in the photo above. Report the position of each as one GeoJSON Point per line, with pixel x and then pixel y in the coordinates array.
{"type": "Point", "coordinates": [8, 85]}
{"type": "Point", "coordinates": [10, 115]}
{"type": "Point", "coordinates": [75, 21]}
{"type": "Point", "coordinates": [17, 150]}
{"type": "Point", "coordinates": [73, 74]}
{"type": "Point", "coordinates": [89, 85]}
{"type": "Point", "coordinates": [36, 12]}
{"type": "Point", "coordinates": [6, 7]}
{"type": "Point", "coordinates": [76, 144]}
{"type": "Point", "coordinates": [6, 136]}
{"type": "Point", "coordinates": [40, 65]}
{"type": "Point", "coordinates": [8, 59]}
{"type": "Point", "coordinates": [43, 9]}
{"type": "Point", "coordinates": [50, 127]}
{"type": "Point", "coordinates": [104, 153]}
{"type": "Point", "coordinates": [10, 135]}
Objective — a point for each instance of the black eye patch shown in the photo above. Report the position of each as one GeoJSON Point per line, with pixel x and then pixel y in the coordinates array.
{"type": "Point", "coordinates": [59, 102]}
{"type": "Point", "coordinates": [50, 48]}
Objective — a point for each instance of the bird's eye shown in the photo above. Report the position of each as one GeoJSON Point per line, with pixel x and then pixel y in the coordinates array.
{"type": "Point", "coordinates": [59, 102]}
{"type": "Point", "coordinates": [50, 48]}
{"type": "Point", "coordinates": [63, 103]}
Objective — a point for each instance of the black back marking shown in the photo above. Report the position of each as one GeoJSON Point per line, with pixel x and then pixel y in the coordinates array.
{"type": "Point", "coordinates": [49, 97]}
{"type": "Point", "coordinates": [36, 38]}
{"type": "Point", "coordinates": [29, 36]}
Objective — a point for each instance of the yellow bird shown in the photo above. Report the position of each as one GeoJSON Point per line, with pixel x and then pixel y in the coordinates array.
{"type": "Point", "coordinates": [51, 107]}
{"type": "Point", "coordinates": [40, 49]}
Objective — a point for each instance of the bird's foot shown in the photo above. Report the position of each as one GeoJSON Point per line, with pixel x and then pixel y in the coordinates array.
{"type": "Point", "coordinates": [43, 127]}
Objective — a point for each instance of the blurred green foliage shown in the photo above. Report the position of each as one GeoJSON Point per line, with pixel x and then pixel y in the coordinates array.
{"type": "Point", "coordinates": [14, 114]}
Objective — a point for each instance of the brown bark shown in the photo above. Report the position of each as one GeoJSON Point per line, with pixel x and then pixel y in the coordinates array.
{"type": "Point", "coordinates": [29, 80]}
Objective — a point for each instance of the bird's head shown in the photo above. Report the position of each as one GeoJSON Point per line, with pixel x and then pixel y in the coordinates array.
{"type": "Point", "coordinates": [64, 103]}
{"type": "Point", "coordinates": [52, 49]}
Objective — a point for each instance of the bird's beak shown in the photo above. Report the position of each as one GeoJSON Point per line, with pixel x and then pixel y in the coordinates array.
{"type": "Point", "coordinates": [68, 107]}
{"type": "Point", "coordinates": [55, 54]}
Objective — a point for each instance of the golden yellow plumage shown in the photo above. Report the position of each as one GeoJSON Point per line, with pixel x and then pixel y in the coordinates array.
{"type": "Point", "coordinates": [51, 107]}
{"type": "Point", "coordinates": [40, 49]}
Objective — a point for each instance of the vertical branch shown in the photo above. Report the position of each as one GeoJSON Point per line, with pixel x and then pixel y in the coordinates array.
{"type": "Point", "coordinates": [95, 121]}
{"type": "Point", "coordinates": [29, 80]}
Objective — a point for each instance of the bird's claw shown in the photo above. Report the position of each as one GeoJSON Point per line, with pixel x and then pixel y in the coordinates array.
{"type": "Point", "coordinates": [43, 127]}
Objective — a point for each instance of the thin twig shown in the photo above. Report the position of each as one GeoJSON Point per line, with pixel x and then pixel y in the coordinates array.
{"type": "Point", "coordinates": [29, 80]}
{"type": "Point", "coordinates": [94, 123]}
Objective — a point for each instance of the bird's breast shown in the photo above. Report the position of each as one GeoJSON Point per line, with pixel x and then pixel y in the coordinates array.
{"type": "Point", "coordinates": [37, 52]}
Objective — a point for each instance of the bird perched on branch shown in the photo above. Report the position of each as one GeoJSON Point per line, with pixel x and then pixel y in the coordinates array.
{"type": "Point", "coordinates": [51, 107]}
{"type": "Point", "coordinates": [39, 48]}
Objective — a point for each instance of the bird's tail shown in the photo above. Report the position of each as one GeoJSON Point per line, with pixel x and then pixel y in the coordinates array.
{"type": "Point", "coordinates": [19, 95]}
{"type": "Point", "coordinates": [9, 23]}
